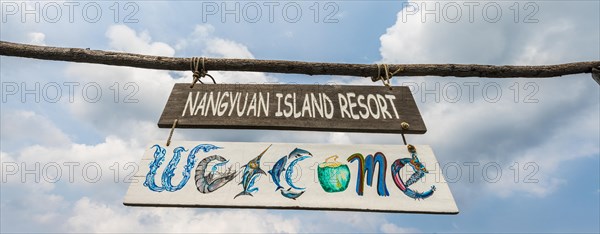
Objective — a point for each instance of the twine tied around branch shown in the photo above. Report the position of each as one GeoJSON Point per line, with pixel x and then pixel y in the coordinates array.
{"type": "Point", "coordinates": [194, 65]}
{"type": "Point", "coordinates": [387, 74]}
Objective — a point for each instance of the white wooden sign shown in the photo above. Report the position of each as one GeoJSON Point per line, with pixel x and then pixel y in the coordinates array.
{"type": "Point", "coordinates": [384, 178]}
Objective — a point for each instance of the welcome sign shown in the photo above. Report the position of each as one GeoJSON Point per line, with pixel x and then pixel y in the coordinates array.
{"type": "Point", "coordinates": [293, 107]}
{"type": "Point", "coordinates": [383, 178]}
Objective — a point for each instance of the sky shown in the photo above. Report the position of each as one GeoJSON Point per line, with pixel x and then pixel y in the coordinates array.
{"type": "Point", "coordinates": [543, 134]}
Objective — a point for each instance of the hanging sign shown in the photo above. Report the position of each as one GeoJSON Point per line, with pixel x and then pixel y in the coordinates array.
{"type": "Point", "coordinates": [293, 107]}
{"type": "Point", "coordinates": [382, 178]}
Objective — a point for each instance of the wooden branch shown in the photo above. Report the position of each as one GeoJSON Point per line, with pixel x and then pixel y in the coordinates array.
{"type": "Point", "coordinates": [279, 66]}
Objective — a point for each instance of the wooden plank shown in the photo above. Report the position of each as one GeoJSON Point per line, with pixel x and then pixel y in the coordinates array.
{"type": "Point", "coordinates": [317, 182]}
{"type": "Point", "coordinates": [373, 109]}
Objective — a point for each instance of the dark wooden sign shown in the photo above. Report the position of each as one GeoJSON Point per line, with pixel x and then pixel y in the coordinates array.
{"type": "Point", "coordinates": [340, 108]}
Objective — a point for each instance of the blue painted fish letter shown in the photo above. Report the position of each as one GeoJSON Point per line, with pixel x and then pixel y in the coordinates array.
{"type": "Point", "coordinates": [159, 157]}
{"type": "Point", "coordinates": [167, 176]}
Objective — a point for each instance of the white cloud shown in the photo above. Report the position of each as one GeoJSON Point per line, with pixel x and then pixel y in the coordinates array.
{"type": "Point", "coordinates": [503, 130]}
{"type": "Point", "coordinates": [48, 179]}
{"type": "Point", "coordinates": [204, 40]}
{"type": "Point", "coordinates": [123, 38]}
{"type": "Point", "coordinates": [506, 131]}
{"type": "Point", "coordinates": [74, 204]}
{"type": "Point", "coordinates": [540, 165]}
{"type": "Point", "coordinates": [47, 205]}
{"type": "Point", "coordinates": [203, 37]}
{"type": "Point", "coordinates": [197, 39]}
{"type": "Point", "coordinates": [351, 222]}
{"type": "Point", "coordinates": [114, 113]}
{"type": "Point", "coordinates": [131, 97]}
{"type": "Point", "coordinates": [168, 220]}
{"type": "Point", "coordinates": [339, 138]}
{"type": "Point", "coordinates": [219, 47]}
{"type": "Point", "coordinates": [18, 126]}
{"type": "Point", "coordinates": [37, 38]}
{"type": "Point", "coordinates": [539, 50]}
{"type": "Point", "coordinates": [559, 36]}
{"type": "Point", "coordinates": [392, 228]}
{"type": "Point", "coordinates": [117, 120]}
{"type": "Point", "coordinates": [4, 157]}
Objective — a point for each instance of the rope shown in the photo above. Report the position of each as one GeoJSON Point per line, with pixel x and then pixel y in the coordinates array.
{"type": "Point", "coordinates": [194, 65]}
{"type": "Point", "coordinates": [172, 130]}
{"type": "Point", "coordinates": [388, 75]}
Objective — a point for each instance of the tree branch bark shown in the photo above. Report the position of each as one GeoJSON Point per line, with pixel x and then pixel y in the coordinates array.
{"type": "Point", "coordinates": [279, 66]}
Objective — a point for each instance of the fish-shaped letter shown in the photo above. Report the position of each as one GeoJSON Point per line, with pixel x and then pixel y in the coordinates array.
{"type": "Point", "coordinates": [290, 171]}
{"type": "Point", "coordinates": [291, 195]}
{"type": "Point", "coordinates": [297, 152]}
{"type": "Point", "coordinates": [214, 180]}
{"type": "Point", "coordinates": [278, 168]}
{"type": "Point", "coordinates": [251, 172]}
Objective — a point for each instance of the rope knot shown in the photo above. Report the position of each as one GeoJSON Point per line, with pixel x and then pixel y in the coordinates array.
{"type": "Point", "coordinates": [387, 75]}
{"type": "Point", "coordinates": [197, 73]}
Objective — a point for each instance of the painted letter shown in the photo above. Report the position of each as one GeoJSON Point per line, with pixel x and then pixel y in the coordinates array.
{"type": "Point", "coordinates": [364, 115]}
{"type": "Point", "coordinates": [278, 113]}
{"type": "Point", "coordinates": [351, 105]}
{"type": "Point", "coordinates": [287, 103]}
{"type": "Point", "coordinates": [367, 166]}
{"type": "Point", "coordinates": [191, 103]}
{"type": "Point", "coordinates": [343, 105]}
{"type": "Point", "coordinates": [328, 110]}
{"type": "Point", "coordinates": [391, 98]}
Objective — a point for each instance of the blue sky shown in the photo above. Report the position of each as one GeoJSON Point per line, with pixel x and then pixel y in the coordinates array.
{"type": "Point", "coordinates": [550, 127]}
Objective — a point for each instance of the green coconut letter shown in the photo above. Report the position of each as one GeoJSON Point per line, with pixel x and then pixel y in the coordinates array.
{"type": "Point", "coordinates": [333, 175]}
